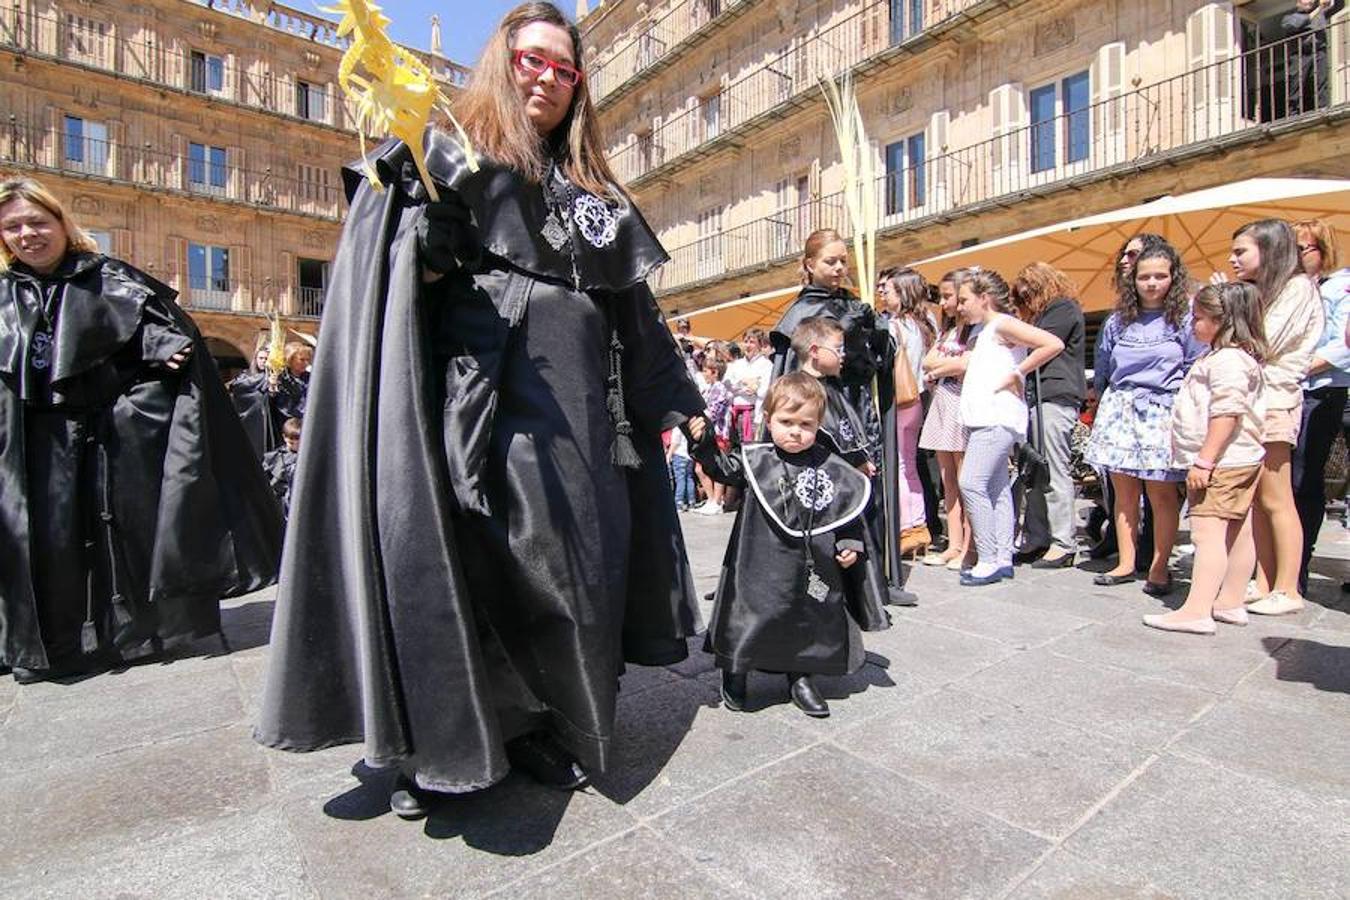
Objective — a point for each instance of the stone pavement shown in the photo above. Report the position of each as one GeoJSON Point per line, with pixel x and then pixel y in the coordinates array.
{"type": "Point", "coordinates": [1030, 740]}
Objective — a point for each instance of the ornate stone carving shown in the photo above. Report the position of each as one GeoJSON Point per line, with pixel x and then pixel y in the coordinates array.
{"type": "Point", "coordinates": [87, 205]}
{"type": "Point", "coordinates": [312, 59]}
{"type": "Point", "coordinates": [707, 185]}
{"type": "Point", "coordinates": [1053, 34]}
{"type": "Point", "coordinates": [789, 149]}
{"type": "Point", "coordinates": [209, 223]}
{"type": "Point", "coordinates": [208, 30]}
{"type": "Point", "coordinates": [312, 239]}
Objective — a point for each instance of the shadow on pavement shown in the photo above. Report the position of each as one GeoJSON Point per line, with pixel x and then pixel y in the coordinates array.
{"type": "Point", "coordinates": [1324, 666]}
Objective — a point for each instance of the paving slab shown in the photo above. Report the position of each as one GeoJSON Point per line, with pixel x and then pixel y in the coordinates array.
{"type": "Point", "coordinates": [1310, 670]}
{"type": "Point", "coordinates": [247, 856]}
{"type": "Point", "coordinates": [1064, 876]}
{"type": "Point", "coordinates": [874, 690]}
{"type": "Point", "coordinates": [1117, 703]}
{"type": "Point", "coordinates": [1196, 830]}
{"type": "Point", "coordinates": [470, 844]}
{"type": "Point", "coordinates": [934, 653]}
{"type": "Point", "coordinates": [69, 812]}
{"type": "Point", "coordinates": [1213, 663]}
{"type": "Point", "coordinates": [635, 864]}
{"type": "Point", "coordinates": [1032, 771]}
{"type": "Point", "coordinates": [1287, 744]}
{"type": "Point", "coordinates": [76, 725]}
{"type": "Point", "coordinates": [985, 614]}
{"type": "Point", "coordinates": [823, 823]}
{"type": "Point", "coordinates": [676, 742]}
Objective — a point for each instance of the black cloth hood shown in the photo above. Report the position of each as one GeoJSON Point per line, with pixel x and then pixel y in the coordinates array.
{"type": "Point", "coordinates": [101, 307]}
{"type": "Point", "coordinates": [615, 248]}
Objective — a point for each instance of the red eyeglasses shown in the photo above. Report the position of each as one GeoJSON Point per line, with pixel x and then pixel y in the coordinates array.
{"type": "Point", "coordinates": [537, 64]}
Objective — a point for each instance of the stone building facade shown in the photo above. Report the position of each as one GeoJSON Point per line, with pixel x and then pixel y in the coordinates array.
{"type": "Point", "coordinates": [201, 141]}
{"type": "Point", "coordinates": [988, 117]}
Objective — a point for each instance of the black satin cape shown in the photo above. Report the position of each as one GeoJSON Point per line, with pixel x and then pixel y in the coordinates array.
{"type": "Point", "coordinates": [256, 411]}
{"type": "Point", "coordinates": [108, 446]}
{"type": "Point", "coordinates": [763, 618]}
{"type": "Point", "coordinates": [416, 452]}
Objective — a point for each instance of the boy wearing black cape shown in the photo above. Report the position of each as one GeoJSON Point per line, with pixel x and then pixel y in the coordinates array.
{"type": "Point", "coordinates": [797, 588]}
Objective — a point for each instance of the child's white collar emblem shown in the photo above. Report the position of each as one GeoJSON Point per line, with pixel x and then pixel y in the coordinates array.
{"type": "Point", "coordinates": [814, 489]}
{"type": "Point", "coordinates": [595, 220]}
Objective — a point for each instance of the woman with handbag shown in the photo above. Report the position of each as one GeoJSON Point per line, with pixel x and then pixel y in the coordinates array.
{"type": "Point", "coordinates": [993, 408]}
{"type": "Point", "coordinates": [912, 332]}
{"type": "Point", "coordinates": [1046, 298]}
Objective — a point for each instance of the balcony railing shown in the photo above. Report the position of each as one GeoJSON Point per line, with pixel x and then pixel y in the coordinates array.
{"type": "Point", "coordinates": [76, 38]}
{"type": "Point", "coordinates": [792, 73]}
{"type": "Point", "coordinates": [654, 41]}
{"type": "Point", "coordinates": [248, 297]}
{"type": "Point", "coordinates": [139, 165]}
{"type": "Point", "coordinates": [1246, 98]}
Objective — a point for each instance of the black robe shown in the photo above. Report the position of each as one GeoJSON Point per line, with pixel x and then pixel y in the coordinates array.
{"type": "Point", "coordinates": [764, 618]}
{"type": "Point", "coordinates": [257, 412]}
{"type": "Point", "coordinates": [864, 378]}
{"type": "Point", "coordinates": [279, 464]}
{"type": "Point", "coordinates": [465, 562]}
{"type": "Point", "coordinates": [129, 500]}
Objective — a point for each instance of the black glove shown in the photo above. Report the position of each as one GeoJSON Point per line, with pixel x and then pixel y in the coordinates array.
{"type": "Point", "coordinates": [444, 235]}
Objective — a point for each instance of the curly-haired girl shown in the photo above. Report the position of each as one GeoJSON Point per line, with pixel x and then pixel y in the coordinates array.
{"type": "Point", "coordinates": [1143, 352]}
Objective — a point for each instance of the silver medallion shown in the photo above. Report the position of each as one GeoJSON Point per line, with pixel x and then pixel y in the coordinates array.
{"type": "Point", "coordinates": [554, 232]}
{"type": "Point", "coordinates": [595, 220]}
{"type": "Point", "coordinates": [814, 489]}
{"type": "Point", "coordinates": [816, 588]}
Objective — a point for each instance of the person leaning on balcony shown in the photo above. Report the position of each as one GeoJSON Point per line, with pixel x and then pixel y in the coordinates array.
{"type": "Point", "coordinates": [1265, 253]}
{"type": "Point", "coordinates": [482, 531]}
{"type": "Point", "coordinates": [1307, 65]}
{"type": "Point", "coordinates": [1324, 388]}
{"type": "Point", "coordinates": [130, 502]}
{"type": "Point", "coordinates": [1045, 297]}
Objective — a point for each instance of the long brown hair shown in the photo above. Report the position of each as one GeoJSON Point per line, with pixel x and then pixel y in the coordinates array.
{"type": "Point", "coordinates": [1036, 285]}
{"type": "Point", "coordinates": [1278, 247]}
{"type": "Point", "coordinates": [1175, 304]}
{"type": "Point", "coordinates": [914, 294]}
{"type": "Point", "coordinates": [816, 242]}
{"type": "Point", "coordinates": [77, 240]}
{"type": "Point", "coordinates": [498, 126]}
{"type": "Point", "coordinates": [991, 284]}
{"type": "Point", "coordinates": [1236, 306]}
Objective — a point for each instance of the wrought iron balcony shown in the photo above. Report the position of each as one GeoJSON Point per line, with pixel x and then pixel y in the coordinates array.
{"type": "Point", "coordinates": [1256, 96]}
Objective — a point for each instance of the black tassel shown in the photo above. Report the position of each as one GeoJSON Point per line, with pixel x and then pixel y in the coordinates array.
{"type": "Point", "coordinates": [623, 453]}
{"type": "Point", "coordinates": [88, 638]}
{"type": "Point", "coordinates": [121, 616]}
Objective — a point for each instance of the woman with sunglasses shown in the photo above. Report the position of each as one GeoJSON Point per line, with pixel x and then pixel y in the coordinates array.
{"type": "Point", "coordinates": [1324, 388]}
{"type": "Point", "coordinates": [484, 533]}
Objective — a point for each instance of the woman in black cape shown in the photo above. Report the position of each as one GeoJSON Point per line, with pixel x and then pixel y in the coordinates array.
{"type": "Point", "coordinates": [482, 530]}
{"type": "Point", "coordinates": [129, 501]}
{"type": "Point", "coordinates": [252, 395]}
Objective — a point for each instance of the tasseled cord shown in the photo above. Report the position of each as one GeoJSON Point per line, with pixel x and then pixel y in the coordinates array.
{"type": "Point", "coordinates": [623, 454]}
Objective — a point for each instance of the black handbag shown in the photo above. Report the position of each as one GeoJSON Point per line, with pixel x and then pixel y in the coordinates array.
{"type": "Point", "coordinates": [1033, 469]}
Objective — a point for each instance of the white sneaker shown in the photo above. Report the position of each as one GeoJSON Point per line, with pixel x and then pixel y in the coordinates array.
{"type": "Point", "coordinates": [709, 509]}
{"type": "Point", "coordinates": [1276, 603]}
{"type": "Point", "coordinates": [1253, 593]}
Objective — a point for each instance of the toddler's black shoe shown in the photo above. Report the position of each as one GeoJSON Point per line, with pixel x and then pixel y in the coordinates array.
{"type": "Point", "coordinates": [408, 801]}
{"type": "Point", "coordinates": [806, 698]}
{"type": "Point", "coordinates": [734, 686]}
{"type": "Point", "coordinates": [540, 757]}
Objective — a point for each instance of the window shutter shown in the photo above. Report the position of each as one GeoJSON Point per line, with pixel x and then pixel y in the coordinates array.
{"type": "Point", "coordinates": [238, 178]}
{"type": "Point", "coordinates": [939, 161]}
{"type": "Point", "coordinates": [287, 282]}
{"type": "Point", "coordinates": [178, 177]}
{"type": "Point", "coordinates": [175, 267]}
{"type": "Point", "coordinates": [1108, 89]}
{"type": "Point", "coordinates": [53, 150]}
{"type": "Point", "coordinates": [116, 136]}
{"type": "Point", "coordinates": [122, 245]}
{"type": "Point", "coordinates": [241, 276]}
{"type": "Point", "coordinates": [1211, 45]}
{"type": "Point", "coordinates": [229, 88]}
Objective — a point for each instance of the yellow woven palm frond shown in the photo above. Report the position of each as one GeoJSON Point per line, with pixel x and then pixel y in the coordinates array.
{"type": "Point", "coordinates": [276, 347]}
{"type": "Point", "coordinates": [860, 168]}
{"type": "Point", "coordinates": [393, 91]}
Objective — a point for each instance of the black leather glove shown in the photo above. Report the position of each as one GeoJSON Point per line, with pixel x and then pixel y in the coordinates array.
{"type": "Point", "coordinates": [444, 235]}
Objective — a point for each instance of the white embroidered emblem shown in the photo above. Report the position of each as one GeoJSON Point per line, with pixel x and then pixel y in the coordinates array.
{"type": "Point", "coordinates": [814, 489]}
{"type": "Point", "coordinates": [596, 221]}
{"type": "Point", "coordinates": [41, 356]}
{"type": "Point", "coordinates": [554, 232]}
{"type": "Point", "coordinates": [846, 431]}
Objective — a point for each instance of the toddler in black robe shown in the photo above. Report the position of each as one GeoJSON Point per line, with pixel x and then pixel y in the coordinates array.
{"type": "Point", "coordinates": [796, 587]}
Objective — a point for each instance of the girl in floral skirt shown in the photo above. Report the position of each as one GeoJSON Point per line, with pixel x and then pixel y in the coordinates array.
{"type": "Point", "coordinates": [1143, 353]}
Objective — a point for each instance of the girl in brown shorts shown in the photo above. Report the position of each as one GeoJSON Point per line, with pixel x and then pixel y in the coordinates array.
{"type": "Point", "coordinates": [1216, 437]}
